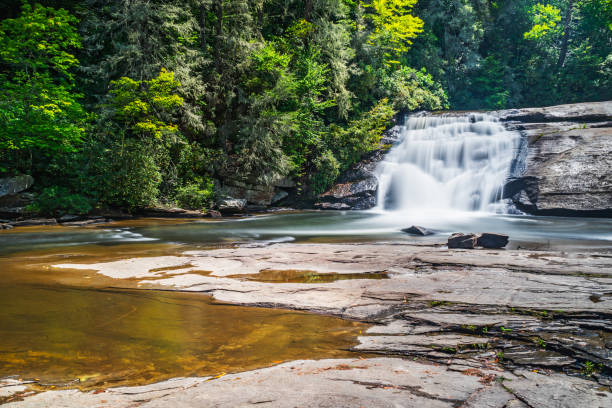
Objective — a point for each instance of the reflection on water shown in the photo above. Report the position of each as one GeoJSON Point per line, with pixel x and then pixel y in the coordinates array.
{"type": "Point", "coordinates": [68, 328]}
{"type": "Point", "coordinates": [99, 337]}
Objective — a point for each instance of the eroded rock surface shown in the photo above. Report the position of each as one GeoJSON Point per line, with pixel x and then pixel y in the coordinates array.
{"type": "Point", "coordinates": [566, 167]}
{"type": "Point", "coordinates": [459, 327]}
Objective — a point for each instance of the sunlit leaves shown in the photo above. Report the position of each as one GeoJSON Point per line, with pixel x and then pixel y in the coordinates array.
{"type": "Point", "coordinates": [39, 110]}
{"type": "Point", "coordinates": [394, 26]}
{"type": "Point", "coordinates": [545, 18]}
{"type": "Point", "coordinates": [147, 107]}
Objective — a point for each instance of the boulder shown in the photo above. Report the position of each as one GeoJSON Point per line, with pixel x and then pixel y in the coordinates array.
{"type": "Point", "coordinates": [231, 205]}
{"type": "Point", "coordinates": [5, 226]}
{"type": "Point", "coordinates": [492, 240]}
{"type": "Point", "coordinates": [14, 185]}
{"type": "Point", "coordinates": [253, 194]}
{"type": "Point", "coordinates": [464, 241]}
{"type": "Point", "coordinates": [213, 214]}
{"type": "Point", "coordinates": [416, 230]}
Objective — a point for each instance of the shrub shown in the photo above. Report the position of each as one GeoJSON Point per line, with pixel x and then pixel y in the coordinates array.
{"type": "Point", "coordinates": [57, 201]}
{"type": "Point", "coordinates": [196, 196]}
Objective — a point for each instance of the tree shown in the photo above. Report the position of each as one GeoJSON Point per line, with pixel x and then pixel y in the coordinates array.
{"type": "Point", "coordinates": [40, 113]}
{"type": "Point", "coordinates": [394, 26]}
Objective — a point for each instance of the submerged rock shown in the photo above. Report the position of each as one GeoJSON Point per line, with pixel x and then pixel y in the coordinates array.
{"type": "Point", "coordinates": [491, 240]}
{"type": "Point", "coordinates": [464, 241]}
{"type": "Point", "coordinates": [416, 230]}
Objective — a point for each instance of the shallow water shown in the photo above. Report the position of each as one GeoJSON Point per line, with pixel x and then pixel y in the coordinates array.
{"type": "Point", "coordinates": [71, 328]}
{"type": "Point", "coordinates": [565, 233]}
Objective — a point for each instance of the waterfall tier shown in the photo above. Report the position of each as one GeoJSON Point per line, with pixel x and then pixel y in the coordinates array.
{"type": "Point", "coordinates": [447, 163]}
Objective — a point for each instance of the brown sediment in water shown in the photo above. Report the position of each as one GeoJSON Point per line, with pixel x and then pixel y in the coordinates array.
{"type": "Point", "coordinates": [305, 276]}
{"type": "Point", "coordinates": [68, 329]}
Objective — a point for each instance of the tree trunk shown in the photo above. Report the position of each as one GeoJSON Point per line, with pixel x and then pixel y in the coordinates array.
{"type": "Point", "coordinates": [308, 10]}
{"type": "Point", "coordinates": [219, 34]}
{"type": "Point", "coordinates": [203, 27]}
{"type": "Point", "coordinates": [566, 34]}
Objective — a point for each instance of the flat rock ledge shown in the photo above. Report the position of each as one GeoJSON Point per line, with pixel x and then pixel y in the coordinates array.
{"type": "Point", "coordinates": [452, 328]}
{"type": "Point", "coordinates": [375, 382]}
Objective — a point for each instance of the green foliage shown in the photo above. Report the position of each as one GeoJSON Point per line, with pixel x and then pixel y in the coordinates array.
{"type": "Point", "coordinates": [146, 107]}
{"type": "Point", "coordinates": [40, 113]}
{"type": "Point", "coordinates": [196, 196]}
{"type": "Point", "coordinates": [58, 201]}
{"type": "Point", "coordinates": [545, 18]}
{"type": "Point", "coordinates": [410, 90]}
{"type": "Point", "coordinates": [394, 26]}
{"type": "Point", "coordinates": [120, 174]}
{"type": "Point", "coordinates": [169, 94]}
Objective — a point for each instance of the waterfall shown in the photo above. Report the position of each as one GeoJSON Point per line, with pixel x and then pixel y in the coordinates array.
{"type": "Point", "coordinates": [447, 162]}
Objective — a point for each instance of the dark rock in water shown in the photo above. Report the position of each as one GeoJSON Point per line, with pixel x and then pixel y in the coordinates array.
{"type": "Point", "coordinates": [5, 226]}
{"type": "Point", "coordinates": [36, 221]}
{"type": "Point", "coordinates": [416, 230]}
{"type": "Point", "coordinates": [231, 205]}
{"type": "Point", "coordinates": [465, 241]}
{"type": "Point", "coordinates": [214, 214]}
{"type": "Point", "coordinates": [169, 213]}
{"type": "Point", "coordinates": [69, 218]}
{"type": "Point", "coordinates": [491, 240]}
{"type": "Point", "coordinates": [333, 206]}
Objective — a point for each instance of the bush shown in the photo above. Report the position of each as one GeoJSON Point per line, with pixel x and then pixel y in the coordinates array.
{"type": "Point", "coordinates": [121, 174]}
{"type": "Point", "coordinates": [327, 170]}
{"type": "Point", "coordinates": [58, 201]}
{"type": "Point", "coordinates": [409, 89]}
{"type": "Point", "coordinates": [195, 196]}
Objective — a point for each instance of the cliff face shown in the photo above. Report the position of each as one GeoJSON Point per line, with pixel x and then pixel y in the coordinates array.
{"type": "Point", "coordinates": [563, 167]}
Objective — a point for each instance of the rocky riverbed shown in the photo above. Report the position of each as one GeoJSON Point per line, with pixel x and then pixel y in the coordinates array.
{"type": "Point", "coordinates": [471, 328]}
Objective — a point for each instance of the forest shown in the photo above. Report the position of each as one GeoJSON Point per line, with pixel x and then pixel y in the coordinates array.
{"type": "Point", "coordinates": [135, 103]}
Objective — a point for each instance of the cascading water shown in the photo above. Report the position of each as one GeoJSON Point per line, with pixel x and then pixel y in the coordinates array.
{"type": "Point", "coordinates": [447, 163]}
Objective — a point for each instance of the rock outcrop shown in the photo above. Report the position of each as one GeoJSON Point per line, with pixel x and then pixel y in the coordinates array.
{"type": "Point", "coordinates": [356, 189]}
{"type": "Point", "coordinates": [565, 167]}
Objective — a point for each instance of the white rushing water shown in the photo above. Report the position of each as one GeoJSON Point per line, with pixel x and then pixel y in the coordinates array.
{"type": "Point", "coordinates": [447, 163]}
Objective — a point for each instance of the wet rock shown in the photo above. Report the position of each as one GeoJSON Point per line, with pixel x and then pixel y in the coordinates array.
{"type": "Point", "coordinates": [416, 230]}
{"type": "Point", "coordinates": [253, 194]}
{"type": "Point", "coordinates": [214, 214]}
{"type": "Point", "coordinates": [6, 226]}
{"type": "Point", "coordinates": [231, 205]}
{"type": "Point", "coordinates": [68, 218]}
{"type": "Point", "coordinates": [491, 240]}
{"type": "Point", "coordinates": [83, 223]}
{"type": "Point", "coordinates": [279, 195]}
{"type": "Point", "coordinates": [464, 241]}
{"type": "Point", "coordinates": [169, 213]}
{"type": "Point", "coordinates": [35, 221]}
{"type": "Point", "coordinates": [333, 206]}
